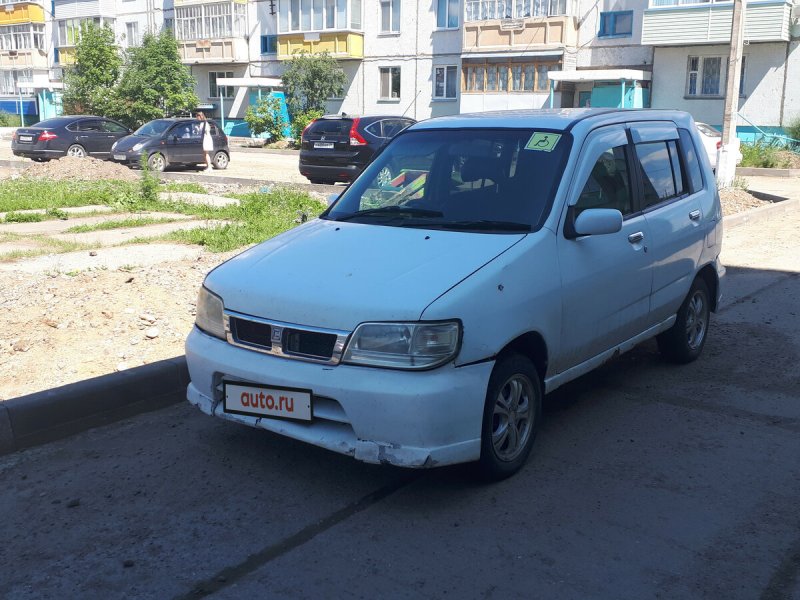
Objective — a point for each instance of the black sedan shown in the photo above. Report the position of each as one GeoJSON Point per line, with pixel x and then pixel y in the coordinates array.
{"type": "Point", "coordinates": [79, 136]}
{"type": "Point", "coordinates": [169, 142]}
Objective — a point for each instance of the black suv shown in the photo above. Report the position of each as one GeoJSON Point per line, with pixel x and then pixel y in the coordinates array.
{"type": "Point", "coordinates": [338, 147]}
{"type": "Point", "coordinates": [167, 142]}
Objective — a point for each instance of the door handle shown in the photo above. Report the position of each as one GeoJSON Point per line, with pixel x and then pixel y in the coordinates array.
{"type": "Point", "coordinates": [694, 215]}
{"type": "Point", "coordinates": [635, 238]}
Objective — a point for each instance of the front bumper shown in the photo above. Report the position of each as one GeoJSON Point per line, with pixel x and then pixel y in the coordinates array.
{"type": "Point", "coordinates": [127, 157]}
{"type": "Point", "coordinates": [403, 418]}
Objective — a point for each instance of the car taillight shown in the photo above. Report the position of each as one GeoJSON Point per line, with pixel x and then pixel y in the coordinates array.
{"type": "Point", "coordinates": [306, 129]}
{"type": "Point", "coordinates": [14, 136]}
{"type": "Point", "coordinates": [719, 144]}
{"type": "Point", "coordinates": [355, 137]}
{"type": "Point", "coordinates": [46, 136]}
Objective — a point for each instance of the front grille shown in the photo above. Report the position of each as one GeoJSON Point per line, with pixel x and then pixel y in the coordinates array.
{"type": "Point", "coordinates": [309, 343]}
{"type": "Point", "coordinates": [252, 333]}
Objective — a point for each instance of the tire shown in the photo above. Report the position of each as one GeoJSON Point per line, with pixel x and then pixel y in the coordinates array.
{"type": "Point", "coordinates": [385, 176]}
{"type": "Point", "coordinates": [77, 151]}
{"type": "Point", "coordinates": [157, 162]}
{"type": "Point", "coordinates": [684, 341]}
{"type": "Point", "coordinates": [513, 404]}
{"type": "Point", "coordinates": [39, 159]}
{"type": "Point", "coordinates": [220, 161]}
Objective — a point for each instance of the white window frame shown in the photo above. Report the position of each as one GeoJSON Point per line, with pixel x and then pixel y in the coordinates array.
{"type": "Point", "coordinates": [300, 16]}
{"type": "Point", "coordinates": [699, 72]}
{"type": "Point", "coordinates": [382, 91]}
{"type": "Point", "coordinates": [389, 10]}
{"type": "Point", "coordinates": [447, 10]}
{"type": "Point", "coordinates": [229, 91]}
{"type": "Point", "coordinates": [10, 79]}
{"type": "Point", "coordinates": [68, 31]}
{"type": "Point", "coordinates": [132, 33]}
{"type": "Point", "coordinates": [445, 69]}
{"type": "Point", "coordinates": [215, 20]}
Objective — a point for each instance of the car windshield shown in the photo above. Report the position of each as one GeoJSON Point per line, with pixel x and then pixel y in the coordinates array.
{"type": "Point", "coordinates": [153, 128]}
{"type": "Point", "coordinates": [485, 180]}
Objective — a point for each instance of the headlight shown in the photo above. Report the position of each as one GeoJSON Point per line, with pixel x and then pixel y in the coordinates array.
{"type": "Point", "coordinates": [114, 145]}
{"type": "Point", "coordinates": [209, 313]}
{"type": "Point", "coordinates": [138, 146]}
{"type": "Point", "coordinates": [403, 345]}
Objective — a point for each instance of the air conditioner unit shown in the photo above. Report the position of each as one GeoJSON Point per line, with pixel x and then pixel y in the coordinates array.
{"type": "Point", "coordinates": [12, 53]}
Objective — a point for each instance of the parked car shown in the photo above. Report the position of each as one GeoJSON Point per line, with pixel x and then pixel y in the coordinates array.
{"type": "Point", "coordinates": [77, 135]}
{"type": "Point", "coordinates": [712, 142]}
{"type": "Point", "coordinates": [171, 142]}
{"type": "Point", "coordinates": [338, 147]}
{"type": "Point", "coordinates": [419, 322]}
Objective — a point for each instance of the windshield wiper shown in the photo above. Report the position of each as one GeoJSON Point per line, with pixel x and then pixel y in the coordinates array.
{"type": "Point", "coordinates": [485, 225]}
{"type": "Point", "coordinates": [393, 211]}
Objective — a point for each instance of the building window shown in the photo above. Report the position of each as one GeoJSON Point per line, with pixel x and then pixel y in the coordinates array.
{"type": "Point", "coordinates": [169, 24]}
{"type": "Point", "coordinates": [69, 30]}
{"type": "Point", "coordinates": [319, 15]}
{"type": "Point", "coordinates": [704, 76]}
{"type": "Point", "coordinates": [219, 91]}
{"type": "Point", "coordinates": [483, 10]}
{"type": "Point", "coordinates": [132, 33]}
{"type": "Point", "coordinates": [390, 83]}
{"type": "Point", "coordinates": [390, 16]}
{"type": "Point", "coordinates": [269, 44]}
{"type": "Point", "coordinates": [444, 82]}
{"type": "Point", "coordinates": [508, 77]}
{"type": "Point", "coordinates": [211, 21]}
{"type": "Point", "coordinates": [616, 24]}
{"type": "Point", "coordinates": [16, 82]}
{"type": "Point", "coordinates": [22, 37]}
{"type": "Point", "coordinates": [447, 14]}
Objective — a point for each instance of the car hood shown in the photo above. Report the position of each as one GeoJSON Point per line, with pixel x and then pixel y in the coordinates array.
{"type": "Point", "coordinates": [335, 275]}
{"type": "Point", "coordinates": [129, 141]}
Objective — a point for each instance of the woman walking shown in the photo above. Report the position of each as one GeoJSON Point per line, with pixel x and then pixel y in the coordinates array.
{"type": "Point", "coordinates": [208, 141]}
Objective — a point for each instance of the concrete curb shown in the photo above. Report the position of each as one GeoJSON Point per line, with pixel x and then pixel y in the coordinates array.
{"type": "Point", "coordinates": [60, 412]}
{"type": "Point", "coordinates": [763, 172]}
{"type": "Point", "coordinates": [762, 213]}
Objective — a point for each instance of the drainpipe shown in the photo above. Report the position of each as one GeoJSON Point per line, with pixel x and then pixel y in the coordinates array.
{"type": "Point", "coordinates": [622, 103]}
{"type": "Point", "coordinates": [21, 116]}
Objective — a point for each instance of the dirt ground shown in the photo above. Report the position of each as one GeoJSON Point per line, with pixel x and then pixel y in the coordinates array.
{"type": "Point", "coordinates": [80, 169]}
{"type": "Point", "coordinates": [61, 326]}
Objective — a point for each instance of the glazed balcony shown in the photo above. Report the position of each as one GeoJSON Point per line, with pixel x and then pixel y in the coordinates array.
{"type": "Point", "coordinates": [211, 32]}
{"type": "Point", "coordinates": [22, 11]}
{"type": "Point", "coordinates": [316, 26]}
{"type": "Point", "coordinates": [339, 44]}
{"type": "Point", "coordinates": [681, 22]}
{"type": "Point", "coordinates": [29, 58]}
{"type": "Point", "coordinates": [518, 25]}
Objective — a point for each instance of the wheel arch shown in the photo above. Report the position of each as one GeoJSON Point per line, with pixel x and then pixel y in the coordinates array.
{"type": "Point", "coordinates": [533, 346]}
{"type": "Point", "coordinates": [709, 275]}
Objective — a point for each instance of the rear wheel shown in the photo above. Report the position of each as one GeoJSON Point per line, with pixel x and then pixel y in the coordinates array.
{"type": "Point", "coordinates": [76, 150]}
{"type": "Point", "coordinates": [511, 416]}
{"type": "Point", "coordinates": [220, 161]}
{"type": "Point", "coordinates": [684, 341]}
{"type": "Point", "coordinates": [157, 162]}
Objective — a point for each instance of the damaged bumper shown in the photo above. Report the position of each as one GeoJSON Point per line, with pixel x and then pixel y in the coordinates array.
{"type": "Point", "coordinates": [407, 419]}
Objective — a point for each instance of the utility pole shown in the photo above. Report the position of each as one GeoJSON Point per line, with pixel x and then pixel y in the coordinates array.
{"type": "Point", "coordinates": [726, 163]}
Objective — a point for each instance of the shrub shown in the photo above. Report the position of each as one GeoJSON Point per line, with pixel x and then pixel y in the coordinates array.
{"type": "Point", "coordinates": [299, 122]}
{"type": "Point", "coordinates": [760, 154]}
{"type": "Point", "coordinates": [266, 117]}
{"type": "Point", "coordinates": [793, 131]}
{"type": "Point", "coordinates": [8, 120]}
{"type": "Point", "coordinates": [148, 186]}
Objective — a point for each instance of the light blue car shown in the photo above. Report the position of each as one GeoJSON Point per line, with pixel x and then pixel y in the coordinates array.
{"type": "Point", "coordinates": [420, 320]}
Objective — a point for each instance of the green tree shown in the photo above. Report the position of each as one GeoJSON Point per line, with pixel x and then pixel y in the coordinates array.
{"type": "Point", "coordinates": [89, 82]}
{"type": "Point", "coordinates": [266, 116]}
{"type": "Point", "coordinates": [310, 79]}
{"type": "Point", "coordinates": [300, 121]}
{"type": "Point", "coordinates": [154, 83]}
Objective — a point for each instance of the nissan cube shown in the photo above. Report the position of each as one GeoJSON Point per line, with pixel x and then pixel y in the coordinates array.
{"type": "Point", "coordinates": [421, 318]}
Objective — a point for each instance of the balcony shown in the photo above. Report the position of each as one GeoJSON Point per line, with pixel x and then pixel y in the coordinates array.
{"type": "Point", "coordinates": [681, 22]}
{"type": "Point", "coordinates": [211, 32]}
{"type": "Point", "coordinates": [16, 13]}
{"type": "Point", "coordinates": [339, 44]}
{"type": "Point", "coordinates": [213, 51]}
{"type": "Point", "coordinates": [29, 58]}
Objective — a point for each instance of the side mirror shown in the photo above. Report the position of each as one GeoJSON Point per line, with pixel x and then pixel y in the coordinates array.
{"type": "Point", "coordinates": [332, 198]}
{"type": "Point", "coordinates": [593, 221]}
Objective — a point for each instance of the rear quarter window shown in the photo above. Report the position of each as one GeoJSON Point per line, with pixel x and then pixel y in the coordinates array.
{"type": "Point", "coordinates": [695, 175]}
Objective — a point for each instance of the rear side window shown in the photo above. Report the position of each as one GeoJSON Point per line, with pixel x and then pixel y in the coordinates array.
{"type": "Point", "coordinates": [695, 176]}
{"type": "Point", "coordinates": [90, 125]}
{"type": "Point", "coordinates": [662, 175]}
{"type": "Point", "coordinates": [374, 129]}
{"type": "Point", "coordinates": [608, 185]}
{"type": "Point", "coordinates": [331, 126]}
{"type": "Point", "coordinates": [112, 127]}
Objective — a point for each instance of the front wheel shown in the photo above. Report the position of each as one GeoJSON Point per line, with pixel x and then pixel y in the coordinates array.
{"type": "Point", "coordinates": [684, 341]}
{"type": "Point", "coordinates": [220, 161]}
{"type": "Point", "coordinates": [511, 417]}
{"type": "Point", "coordinates": [76, 150]}
{"type": "Point", "coordinates": [157, 162]}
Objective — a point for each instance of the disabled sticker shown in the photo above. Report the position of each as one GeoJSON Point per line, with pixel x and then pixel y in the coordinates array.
{"type": "Point", "coordinates": [542, 141]}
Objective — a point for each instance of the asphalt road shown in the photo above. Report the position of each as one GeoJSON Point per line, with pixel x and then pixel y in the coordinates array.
{"type": "Point", "coordinates": [647, 481]}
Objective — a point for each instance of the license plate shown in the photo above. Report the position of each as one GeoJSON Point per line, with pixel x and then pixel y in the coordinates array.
{"type": "Point", "coordinates": [326, 145]}
{"type": "Point", "coordinates": [119, 157]}
{"type": "Point", "coordinates": [26, 138]}
{"type": "Point", "coordinates": [266, 401]}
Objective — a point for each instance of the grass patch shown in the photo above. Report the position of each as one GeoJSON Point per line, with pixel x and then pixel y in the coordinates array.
{"type": "Point", "coordinates": [258, 217]}
{"type": "Point", "coordinates": [763, 155]}
{"type": "Point", "coordinates": [22, 194]}
{"type": "Point", "coordinates": [20, 217]}
{"type": "Point", "coordinates": [118, 224]}
{"type": "Point", "coordinates": [184, 186]}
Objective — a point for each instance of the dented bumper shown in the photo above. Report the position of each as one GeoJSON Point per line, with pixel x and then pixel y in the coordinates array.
{"type": "Point", "coordinates": [407, 419]}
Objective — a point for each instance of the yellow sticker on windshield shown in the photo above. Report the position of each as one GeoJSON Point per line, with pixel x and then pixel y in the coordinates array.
{"type": "Point", "coordinates": [543, 141]}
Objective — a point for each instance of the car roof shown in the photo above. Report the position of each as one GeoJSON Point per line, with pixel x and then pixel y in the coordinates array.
{"type": "Point", "coordinates": [560, 119]}
{"type": "Point", "coordinates": [365, 117]}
